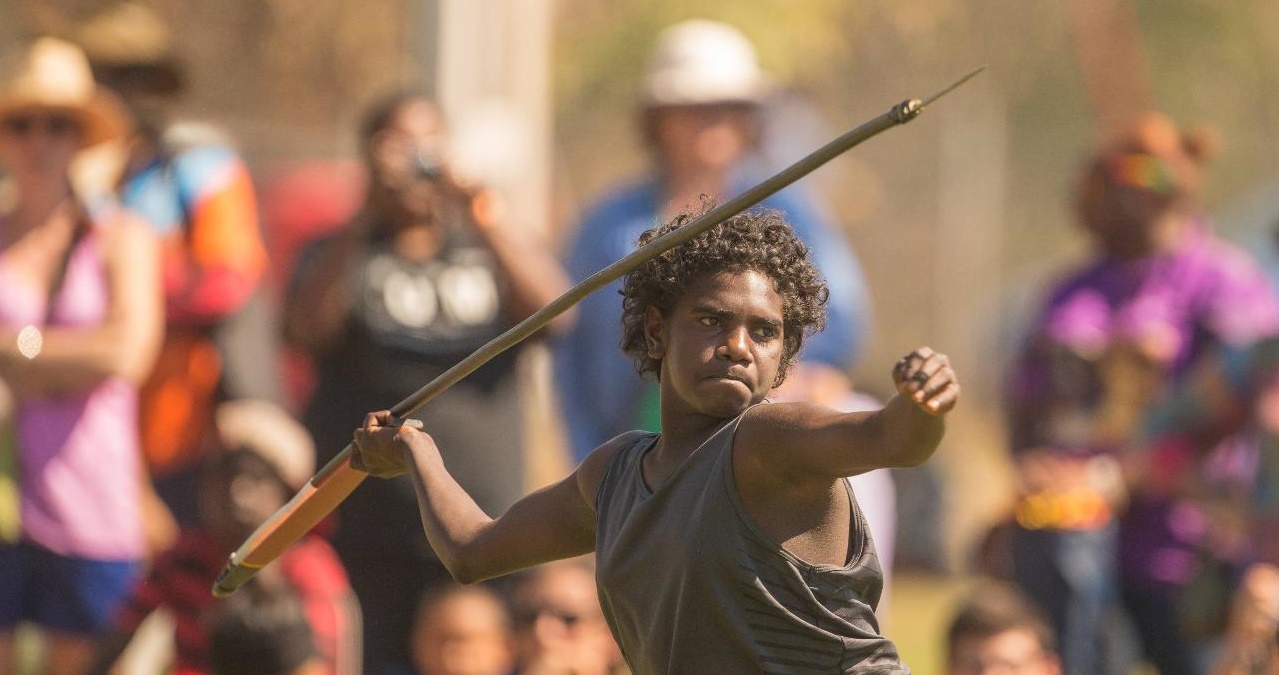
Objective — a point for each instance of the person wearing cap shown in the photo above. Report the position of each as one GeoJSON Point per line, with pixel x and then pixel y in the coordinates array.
{"type": "Point", "coordinates": [699, 114]}
{"type": "Point", "coordinates": [1160, 292]}
{"type": "Point", "coordinates": [189, 182]}
{"type": "Point", "coordinates": [80, 322]}
{"type": "Point", "coordinates": [260, 457]}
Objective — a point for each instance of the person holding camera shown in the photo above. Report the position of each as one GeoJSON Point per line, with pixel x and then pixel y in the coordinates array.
{"type": "Point", "coordinates": [427, 272]}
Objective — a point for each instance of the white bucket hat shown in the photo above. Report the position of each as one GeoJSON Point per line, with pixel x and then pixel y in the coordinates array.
{"type": "Point", "coordinates": [699, 62]}
{"type": "Point", "coordinates": [54, 75]}
{"type": "Point", "coordinates": [270, 432]}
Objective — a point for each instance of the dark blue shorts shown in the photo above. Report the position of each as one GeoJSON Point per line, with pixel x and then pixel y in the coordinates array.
{"type": "Point", "coordinates": [73, 595]}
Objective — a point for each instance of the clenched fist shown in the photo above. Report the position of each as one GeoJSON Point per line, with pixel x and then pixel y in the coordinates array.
{"type": "Point", "coordinates": [925, 378]}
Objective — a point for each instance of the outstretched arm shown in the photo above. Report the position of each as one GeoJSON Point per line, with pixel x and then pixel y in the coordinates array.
{"type": "Point", "coordinates": [804, 441]}
{"type": "Point", "coordinates": [552, 523]}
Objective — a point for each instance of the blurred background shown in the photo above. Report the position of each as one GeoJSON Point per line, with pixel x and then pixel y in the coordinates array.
{"type": "Point", "coordinates": [959, 218]}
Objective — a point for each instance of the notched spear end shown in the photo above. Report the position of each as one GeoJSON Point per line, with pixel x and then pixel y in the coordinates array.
{"type": "Point", "coordinates": [232, 577]}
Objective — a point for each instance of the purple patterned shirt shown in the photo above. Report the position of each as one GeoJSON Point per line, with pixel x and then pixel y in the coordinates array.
{"type": "Point", "coordinates": [1206, 292]}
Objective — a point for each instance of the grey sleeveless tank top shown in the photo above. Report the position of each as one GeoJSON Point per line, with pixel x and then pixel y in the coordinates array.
{"type": "Point", "coordinates": [690, 585]}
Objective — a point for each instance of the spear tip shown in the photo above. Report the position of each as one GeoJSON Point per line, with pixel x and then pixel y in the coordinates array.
{"type": "Point", "coordinates": [955, 85]}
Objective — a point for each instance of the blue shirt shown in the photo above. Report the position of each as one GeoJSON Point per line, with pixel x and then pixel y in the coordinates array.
{"type": "Point", "coordinates": [599, 391]}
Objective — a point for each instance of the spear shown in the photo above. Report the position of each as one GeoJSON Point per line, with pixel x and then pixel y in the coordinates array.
{"type": "Point", "coordinates": [337, 479]}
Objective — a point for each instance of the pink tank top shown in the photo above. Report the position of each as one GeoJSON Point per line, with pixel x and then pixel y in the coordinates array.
{"type": "Point", "coordinates": [79, 469]}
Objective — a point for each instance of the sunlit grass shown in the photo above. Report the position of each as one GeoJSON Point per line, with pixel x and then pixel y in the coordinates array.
{"type": "Point", "coordinates": [920, 607]}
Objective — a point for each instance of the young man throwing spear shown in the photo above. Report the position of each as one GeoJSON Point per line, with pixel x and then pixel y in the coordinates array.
{"type": "Point", "coordinates": [730, 541]}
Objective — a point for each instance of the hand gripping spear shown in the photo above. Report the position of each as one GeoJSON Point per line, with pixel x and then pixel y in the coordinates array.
{"type": "Point", "coordinates": [337, 479]}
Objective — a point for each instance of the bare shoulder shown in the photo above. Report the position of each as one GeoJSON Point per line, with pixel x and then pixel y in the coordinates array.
{"type": "Point", "coordinates": [770, 423]}
{"type": "Point", "coordinates": [797, 441]}
{"type": "Point", "coordinates": [590, 474]}
{"type": "Point", "coordinates": [767, 429]}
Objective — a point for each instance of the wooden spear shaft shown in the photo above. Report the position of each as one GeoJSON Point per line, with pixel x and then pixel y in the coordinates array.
{"type": "Point", "coordinates": [337, 479]}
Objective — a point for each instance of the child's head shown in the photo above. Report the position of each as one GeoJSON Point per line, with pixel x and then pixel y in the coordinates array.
{"type": "Point", "coordinates": [758, 240]}
{"type": "Point", "coordinates": [461, 630]}
{"type": "Point", "coordinates": [262, 630]}
{"type": "Point", "coordinates": [999, 629]}
{"type": "Point", "coordinates": [263, 456]}
{"type": "Point", "coordinates": [559, 625]}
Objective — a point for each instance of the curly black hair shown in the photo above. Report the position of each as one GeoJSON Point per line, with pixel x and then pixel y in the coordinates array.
{"type": "Point", "coordinates": [759, 240]}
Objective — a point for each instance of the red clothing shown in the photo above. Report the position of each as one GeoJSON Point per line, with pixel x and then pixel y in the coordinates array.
{"type": "Point", "coordinates": [181, 578]}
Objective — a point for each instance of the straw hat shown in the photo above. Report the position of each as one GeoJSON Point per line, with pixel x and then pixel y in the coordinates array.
{"type": "Point", "coordinates": [54, 75]}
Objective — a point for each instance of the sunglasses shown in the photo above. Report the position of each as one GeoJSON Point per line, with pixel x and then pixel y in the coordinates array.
{"type": "Point", "coordinates": [1142, 171]}
{"type": "Point", "coordinates": [52, 124]}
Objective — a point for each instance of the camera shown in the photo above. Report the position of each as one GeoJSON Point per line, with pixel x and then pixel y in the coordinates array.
{"type": "Point", "coordinates": [426, 166]}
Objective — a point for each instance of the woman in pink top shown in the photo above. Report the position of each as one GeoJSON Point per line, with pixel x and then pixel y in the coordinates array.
{"type": "Point", "coordinates": [80, 321]}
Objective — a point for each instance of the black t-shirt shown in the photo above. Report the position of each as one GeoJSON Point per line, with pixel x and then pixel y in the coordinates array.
{"type": "Point", "coordinates": [409, 322]}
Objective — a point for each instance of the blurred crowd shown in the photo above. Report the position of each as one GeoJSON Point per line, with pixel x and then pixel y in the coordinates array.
{"type": "Point", "coordinates": [170, 379]}
{"type": "Point", "coordinates": [1138, 421]}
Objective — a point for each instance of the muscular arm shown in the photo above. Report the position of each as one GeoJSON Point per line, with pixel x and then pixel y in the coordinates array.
{"type": "Point", "coordinates": [795, 442]}
{"type": "Point", "coordinates": [552, 523]}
